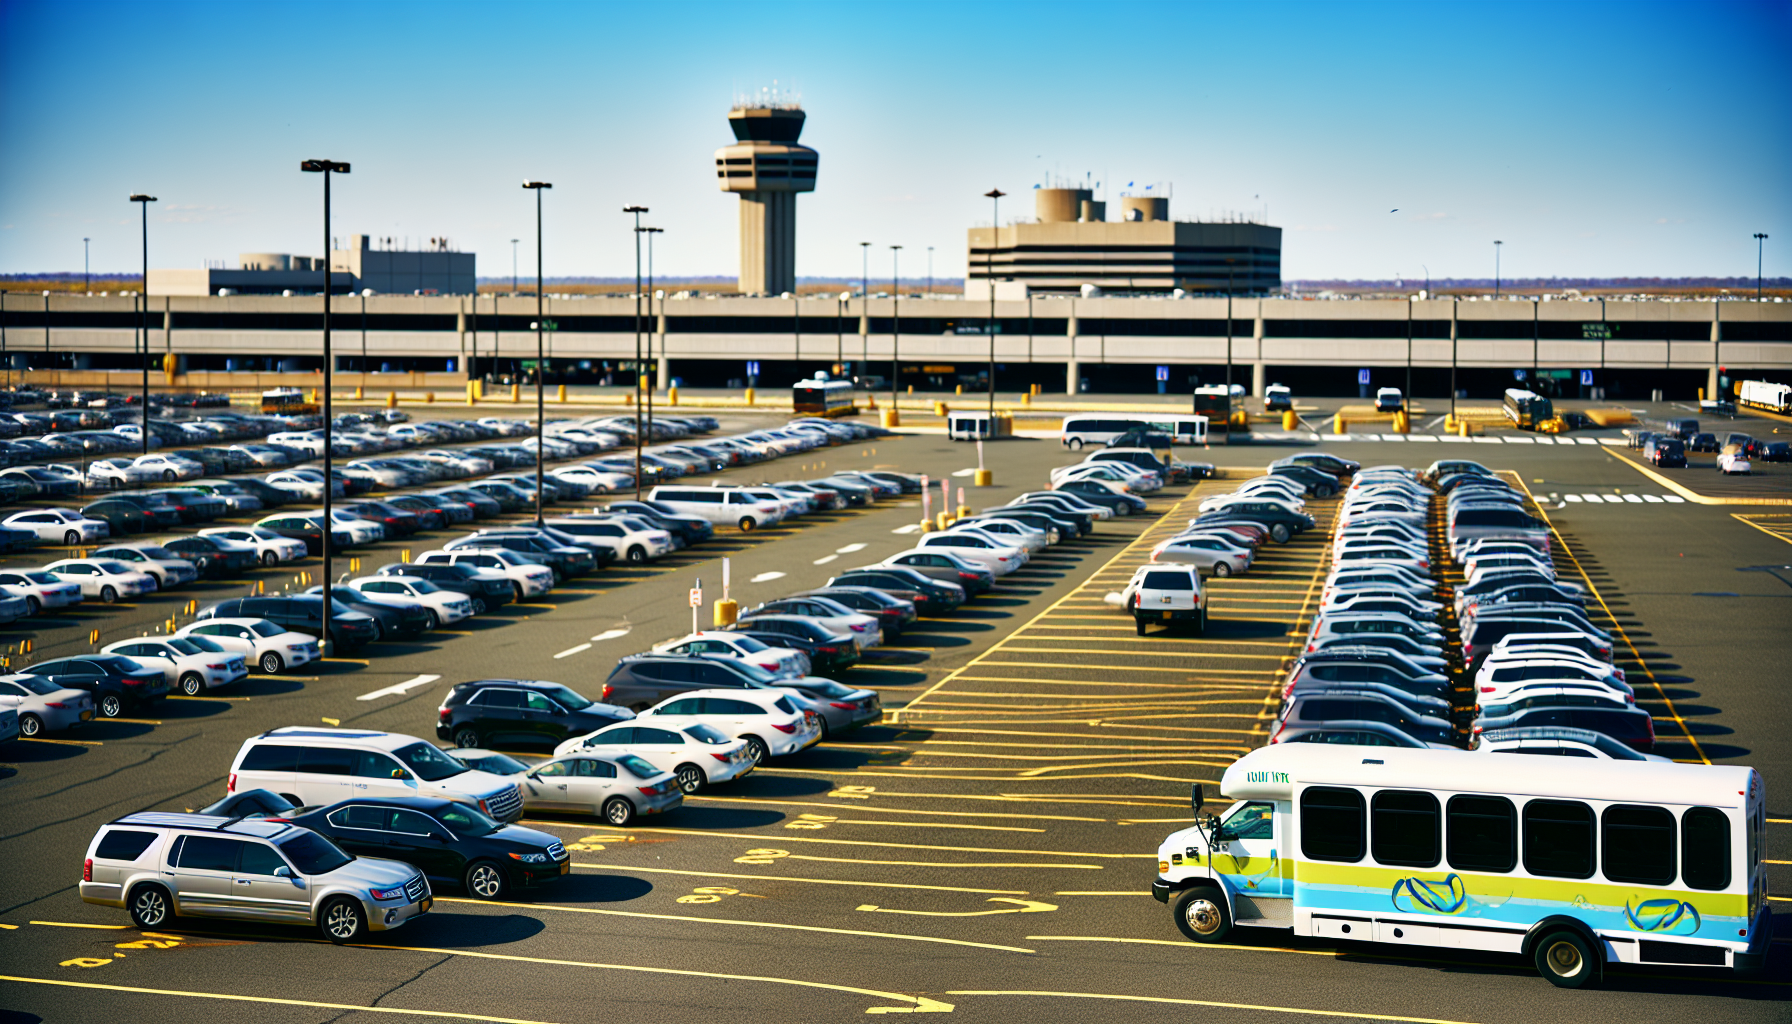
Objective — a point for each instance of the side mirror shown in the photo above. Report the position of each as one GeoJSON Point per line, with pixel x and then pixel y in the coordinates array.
{"type": "Point", "coordinates": [400, 773]}
{"type": "Point", "coordinates": [1197, 798]}
{"type": "Point", "coordinates": [283, 872]}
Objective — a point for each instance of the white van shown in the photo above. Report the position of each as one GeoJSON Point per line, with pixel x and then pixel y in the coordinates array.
{"type": "Point", "coordinates": [967, 426]}
{"type": "Point", "coordinates": [1183, 429]}
{"type": "Point", "coordinates": [721, 506]}
{"type": "Point", "coordinates": [322, 766]}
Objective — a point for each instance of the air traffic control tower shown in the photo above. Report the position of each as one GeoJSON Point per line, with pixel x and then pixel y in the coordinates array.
{"type": "Point", "coordinates": [767, 167]}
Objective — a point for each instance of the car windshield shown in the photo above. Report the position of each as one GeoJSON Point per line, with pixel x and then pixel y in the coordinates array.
{"type": "Point", "coordinates": [497, 764]}
{"type": "Point", "coordinates": [112, 568]}
{"type": "Point", "coordinates": [265, 628]}
{"type": "Point", "coordinates": [41, 577]}
{"type": "Point", "coordinates": [184, 646]}
{"type": "Point", "coordinates": [42, 686]}
{"type": "Point", "coordinates": [706, 734]}
{"type": "Point", "coordinates": [312, 854]}
{"type": "Point", "coordinates": [824, 687]}
{"type": "Point", "coordinates": [466, 821]}
{"type": "Point", "coordinates": [638, 766]}
{"type": "Point", "coordinates": [206, 644]}
{"type": "Point", "coordinates": [430, 764]}
{"type": "Point", "coordinates": [425, 587]}
{"type": "Point", "coordinates": [749, 645]}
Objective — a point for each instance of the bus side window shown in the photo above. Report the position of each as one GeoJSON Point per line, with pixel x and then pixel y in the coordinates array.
{"type": "Point", "coordinates": [1705, 848]}
{"type": "Point", "coordinates": [1483, 833]}
{"type": "Point", "coordinates": [1332, 824]}
{"type": "Point", "coordinates": [1405, 829]}
{"type": "Point", "coordinates": [1558, 839]}
{"type": "Point", "coordinates": [1637, 844]}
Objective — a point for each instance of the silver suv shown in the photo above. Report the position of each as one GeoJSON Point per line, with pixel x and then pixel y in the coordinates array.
{"type": "Point", "coordinates": [163, 865]}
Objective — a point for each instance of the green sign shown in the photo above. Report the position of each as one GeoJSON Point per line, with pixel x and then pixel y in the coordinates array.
{"type": "Point", "coordinates": [1597, 332]}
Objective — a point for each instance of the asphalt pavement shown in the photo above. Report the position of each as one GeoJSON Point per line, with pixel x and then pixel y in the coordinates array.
{"type": "Point", "coordinates": [986, 852]}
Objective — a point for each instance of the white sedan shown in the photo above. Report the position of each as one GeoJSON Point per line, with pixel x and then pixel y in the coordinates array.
{"type": "Point", "coordinates": [600, 480]}
{"type": "Point", "coordinates": [698, 754]}
{"type": "Point", "coordinates": [1216, 556]}
{"type": "Point", "coordinates": [527, 578]}
{"type": "Point", "coordinates": [269, 646]}
{"type": "Point", "coordinates": [168, 569]}
{"type": "Point", "coordinates": [783, 662]}
{"type": "Point", "coordinates": [770, 720]}
{"type": "Point", "coordinates": [60, 526]}
{"type": "Point", "coordinates": [269, 546]}
{"type": "Point", "coordinates": [105, 578]}
{"type": "Point", "coordinates": [1018, 534]}
{"type": "Point", "coordinates": [118, 473]}
{"type": "Point", "coordinates": [360, 531]}
{"type": "Point", "coordinates": [169, 466]}
{"type": "Point", "coordinates": [39, 589]}
{"type": "Point", "coordinates": [188, 666]}
{"type": "Point", "coordinates": [445, 606]}
{"type": "Point", "coordinates": [997, 556]}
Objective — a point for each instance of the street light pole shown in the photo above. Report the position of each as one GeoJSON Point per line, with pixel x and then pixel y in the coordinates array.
{"type": "Point", "coordinates": [1496, 268]}
{"type": "Point", "coordinates": [1760, 239]}
{"type": "Point", "coordinates": [143, 202]}
{"type": "Point", "coordinates": [995, 227]}
{"type": "Point", "coordinates": [328, 532]}
{"type": "Point", "coordinates": [513, 266]}
{"type": "Point", "coordinates": [1229, 351]}
{"type": "Point", "coordinates": [541, 366]}
{"type": "Point", "coordinates": [930, 271]}
{"type": "Point", "coordinates": [865, 307]}
{"type": "Point", "coordinates": [637, 211]}
{"type": "Point", "coordinates": [87, 264]}
{"type": "Point", "coordinates": [653, 381]}
{"type": "Point", "coordinates": [895, 322]}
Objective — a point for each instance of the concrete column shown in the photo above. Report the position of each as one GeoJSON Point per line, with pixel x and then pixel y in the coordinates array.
{"type": "Point", "coordinates": [460, 327]}
{"type": "Point", "coordinates": [167, 327]}
{"type": "Point", "coordinates": [1711, 385]}
{"type": "Point", "coordinates": [1258, 370]}
{"type": "Point", "coordinates": [1073, 377]}
{"type": "Point", "coordinates": [1259, 375]}
{"type": "Point", "coordinates": [663, 377]}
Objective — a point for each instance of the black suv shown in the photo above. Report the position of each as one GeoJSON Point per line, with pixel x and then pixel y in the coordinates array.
{"type": "Point", "coordinates": [118, 684]}
{"type": "Point", "coordinates": [1281, 522]}
{"type": "Point", "coordinates": [445, 839]}
{"type": "Point", "coordinates": [348, 628]}
{"type": "Point", "coordinates": [487, 712]}
{"type": "Point", "coordinates": [393, 620]}
{"type": "Point", "coordinates": [485, 593]}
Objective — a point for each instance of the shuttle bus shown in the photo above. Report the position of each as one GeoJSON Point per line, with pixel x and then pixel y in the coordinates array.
{"type": "Point", "coordinates": [823, 397]}
{"type": "Point", "coordinates": [1214, 401]}
{"type": "Point", "coordinates": [1634, 862]}
{"type": "Point", "coordinates": [1527, 410]}
{"type": "Point", "coordinates": [1758, 394]}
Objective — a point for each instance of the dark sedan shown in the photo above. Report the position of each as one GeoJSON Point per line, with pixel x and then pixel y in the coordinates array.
{"type": "Point", "coordinates": [930, 596]}
{"type": "Point", "coordinates": [310, 529]}
{"type": "Point", "coordinates": [398, 522]}
{"type": "Point", "coordinates": [447, 840]}
{"type": "Point", "coordinates": [433, 513]}
{"type": "Point", "coordinates": [118, 684]}
{"type": "Point", "coordinates": [394, 620]}
{"type": "Point", "coordinates": [485, 592]}
{"type": "Point", "coordinates": [947, 568]}
{"type": "Point", "coordinates": [893, 613]}
{"type": "Point", "coordinates": [211, 558]}
{"type": "Point", "coordinates": [832, 650]}
{"type": "Point", "coordinates": [1281, 522]}
{"type": "Point", "coordinates": [488, 712]}
{"type": "Point", "coordinates": [125, 517]}
{"type": "Point", "coordinates": [348, 628]}
{"type": "Point", "coordinates": [1096, 493]}
{"type": "Point", "coordinates": [685, 530]}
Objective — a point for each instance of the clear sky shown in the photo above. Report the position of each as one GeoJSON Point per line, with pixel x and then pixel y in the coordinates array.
{"type": "Point", "coordinates": [1594, 139]}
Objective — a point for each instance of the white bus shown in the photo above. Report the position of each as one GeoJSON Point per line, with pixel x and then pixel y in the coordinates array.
{"type": "Point", "coordinates": [1101, 428]}
{"type": "Point", "coordinates": [1759, 394]}
{"type": "Point", "coordinates": [1611, 862]}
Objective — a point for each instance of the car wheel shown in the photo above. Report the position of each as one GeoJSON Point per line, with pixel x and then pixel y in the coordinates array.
{"type": "Point", "coordinates": [30, 725]}
{"type": "Point", "coordinates": [486, 880]}
{"type": "Point", "coordinates": [1076, 444]}
{"type": "Point", "coordinates": [271, 663]}
{"type": "Point", "coordinates": [1201, 914]}
{"type": "Point", "coordinates": [747, 524]}
{"type": "Point", "coordinates": [379, 631]}
{"type": "Point", "coordinates": [168, 474]}
{"type": "Point", "coordinates": [342, 920]}
{"type": "Point", "coordinates": [466, 736]}
{"type": "Point", "coordinates": [637, 554]}
{"type": "Point", "coordinates": [1222, 568]}
{"type": "Point", "coordinates": [70, 539]}
{"type": "Point", "coordinates": [269, 558]}
{"type": "Point", "coordinates": [1564, 959]}
{"type": "Point", "coordinates": [1323, 491]}
{"type": "Point", "coordinates": [618, 811]}
{"type": "Point", "coordinates": [192, 684]}
{"type": "Point", "coordinates": [1279, 533]}
{"type": "Point", "coordinates": [110, 706]}
{"type": "Point", "coordinates": [155, 582]}
{"type": "Point", "coordinates": [756, 750]}
{"type": "Point", "coordinates": [516, 591]}
{"type": "Point", "coordinates": [1139, 622]}
{"type": "Point", "coordinates": [108, 594]}
{"type": "Point", "coordinates": [479, 606]}
{"type": "Point", "coordinates": [33, 606]}
{"type": "Point", "coordinates": [690, 779]}
{"type": "Point", "coordinates": [430, 622]}
{"type": "Point", "coordinates": [151, 906]}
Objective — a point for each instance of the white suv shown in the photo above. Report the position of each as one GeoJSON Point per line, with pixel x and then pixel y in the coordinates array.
{"type": "Point", "coordinates": [322, 766]}
{"type": "Point", "coordinates": [721, 506]}
{"type": "Point", "coordinates": [1166, 593]}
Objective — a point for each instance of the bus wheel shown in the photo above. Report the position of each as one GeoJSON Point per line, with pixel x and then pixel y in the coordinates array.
{"type": "Point", "coordinates": [1565, 959]}
{"type": "Point", "coordinates": [1201, 914]}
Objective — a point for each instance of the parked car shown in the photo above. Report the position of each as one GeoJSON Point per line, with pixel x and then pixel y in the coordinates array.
{"type": "Point", "coordinates": [696, 753]}
{"type": "Point", "coordinates": [188, 667]}
{"type": "Point", "coordinates": [494, 711]}
{"type": "Point", "coordinates": [301, 613]}
{"type": "Point", "coordinates": [105, 578]}
{"type": "Point", "coordinates": [312, 766]}
{"type": "Point", "coordinates": [44, 706]}
{"type": "Point", "coordinates": [450, 842]}
{"type": "Point", "coordinates": [214, 556]}
{"type": "Point", "coordinates": [272, 647]}
{"type": "Point", "coordinates": [62, 526]}
{"type": "Point", "coordinates": [119, 685]}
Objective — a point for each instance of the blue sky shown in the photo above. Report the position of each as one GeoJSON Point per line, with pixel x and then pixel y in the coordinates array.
{"type": "Point", "coordinates": [1594, 139]}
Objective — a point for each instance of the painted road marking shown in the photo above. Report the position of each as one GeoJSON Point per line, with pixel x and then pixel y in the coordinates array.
{"type": "Point", "coordinates": [570, 651]}
{"type": "Point", "coordinates": [400, 688]}
{"type": "Point", "coordinates": [609, 634]}
{"type": "Point", "coordinates": [1204, 1002]}
{"type": "Point", "coordinates": [825, 559]}
{"type": "Point", "coordinates": [266, 999]}
{"type": "Point", "coordinates": [792, 878]}
{"type": "Point", "coordinates": [1021, 907]}
{"type": "Point", "coordinates": [766, 577]}
{"type": "Point", "coordinates": [910, 528]}
{"type": "Point", "coordinates": [850, 548]}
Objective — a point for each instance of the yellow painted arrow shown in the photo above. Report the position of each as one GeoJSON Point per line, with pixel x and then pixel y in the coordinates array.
{"type": "Point", "coordinates": [922, 1005]}
{"type": "Point", "coordinates": [1023, 907]}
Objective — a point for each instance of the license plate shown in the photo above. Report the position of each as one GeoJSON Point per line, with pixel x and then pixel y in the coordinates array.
{"type": "Point", "coordinates": [1167, 614]}
{"type": "Point", "coordinates": [428, 901]}
{"type": "Point", "coordinates": [565, 866]}
{"type": "Point", "coordinates": [86, 715]}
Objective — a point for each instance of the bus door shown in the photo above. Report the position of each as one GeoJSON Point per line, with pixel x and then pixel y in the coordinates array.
{"type": "Point", "coordinates": [1251, 854]}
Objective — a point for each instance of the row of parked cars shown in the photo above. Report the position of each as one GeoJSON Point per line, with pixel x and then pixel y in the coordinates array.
{"type": "Point", "coordinates": [1528, 672]}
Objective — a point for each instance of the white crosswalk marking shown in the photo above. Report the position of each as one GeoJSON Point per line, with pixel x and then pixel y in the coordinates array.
{"type": "Point", "coordinates": [1656, 498]}
{"type": "Point", "coordinates": [1634, 497]}
{"type": "Point", "coordinates": [1570, 497]}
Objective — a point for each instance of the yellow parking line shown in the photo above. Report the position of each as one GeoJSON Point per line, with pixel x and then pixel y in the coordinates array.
{"type": "Point", "coordinates": [66, 743]}
{"type": "Point", "coordinates": [266, 999]}
{"type": "Point", "coordinates": [631, 869]}
{"type": "Point", "coordinates": [76, 924]}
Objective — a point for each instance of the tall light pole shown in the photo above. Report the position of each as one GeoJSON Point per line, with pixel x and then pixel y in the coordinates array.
{"type": "Point", "coordinates": [653, 381]}
{"type": "Point", "coordinates": [541, 366]}
{"type": "Point", "coordinates": [513, 266]}
{"type": "Point", "coordinates": [87, 262]}
{"type": "Point", "coordinates": [143, 202]}
{"type": "Point", "coordinates": [840, 334]}
{"type": "Point", "coordinates": [895, 323]}
{"type": "Point", "coordinates": [865, 307]}
{"type": "Point", "coordinates": [637, 211]}
{"type": "Point", "coordinates": [1759, 240]}
{"type": "Point", "coordinates": [1229, 264]}
{"type": "Point", "coordinates": [930, 271]}
{"type": "Point", "coordinates": [327, 540]}
{"type": "Point", "coordinates": [1496, 268]}
{"type": "Point", "coordinates": [994, 196]}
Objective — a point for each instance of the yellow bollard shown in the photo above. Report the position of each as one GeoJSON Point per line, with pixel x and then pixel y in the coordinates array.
{"type": "Point", "coordinates": [560, 396]}
{"type": "Point", "coordinates": [750, 396]}
{"type": "Point", "coordinates": [939, 408]}
{"type": "Point", "coordinates": [1339, 423]}
{"type": "Point", "coordinates": [726, 610]}
{"type": "Point", "coordinates": [516, 392]}
{"type": "Point", "coordinates": [1027, 398]}
{"type": "Point", "coordinates": [870, 400]}
{"type": "Point", "coordinates": [926, 526]}
{"type": "Point", "coordinates": [478, 387]}
{"type": "Point", "coordinates": [470, 391]}
{"type": "Point", "coordinates": [1290, 421]}
{"type": "Point", "coordinates": [961, 389]}
{"type": "Point", "coordinates": [357, 393]}
{"type": "Point", "coordinates": [429, 396]}
{"type": "Point", "coordinates": [941, 520]}
{"type": "Point", "coordinates": [672, 396]}
{"type": "Point", "coordinates": [963, 511]}
{"type": "Point", "coordinates": [983, 478]}
{"type": "Point", "coordinates": [313, 396]}
{"type": "Point", "coordinates": [391, 399]}
{"type": "Point", "coordinates": [911, 389]}
{"type": "Point", "coordinates": [1701, 394]}
{"type": "Point", "coordinates": [1463, 429]}
{"type": "Point", "coordinates": [891, 419]}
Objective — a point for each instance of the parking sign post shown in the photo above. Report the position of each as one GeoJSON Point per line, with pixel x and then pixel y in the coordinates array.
{"type": "Point", "coordinates": [696, 602]}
